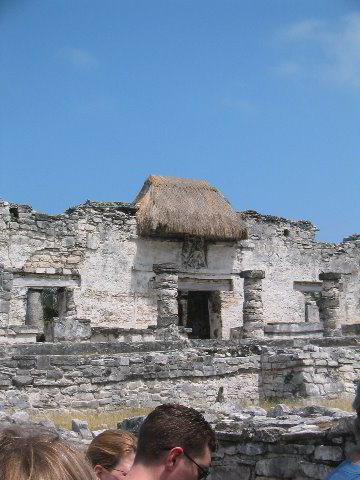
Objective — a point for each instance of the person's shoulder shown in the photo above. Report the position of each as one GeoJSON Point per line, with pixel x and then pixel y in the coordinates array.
{"type": "Point", "coordinates": [345, 471]}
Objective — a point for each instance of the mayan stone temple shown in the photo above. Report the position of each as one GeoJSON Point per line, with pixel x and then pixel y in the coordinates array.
{"type": "Point", "coordinates": [177, 297]}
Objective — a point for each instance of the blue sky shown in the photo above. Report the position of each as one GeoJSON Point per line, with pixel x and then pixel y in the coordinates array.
{"type": "Point", "coordinates": [261, 98]}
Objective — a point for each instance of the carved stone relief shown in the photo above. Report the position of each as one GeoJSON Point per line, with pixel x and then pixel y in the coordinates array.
{"type": "Point", "coordinates": [194, 252]}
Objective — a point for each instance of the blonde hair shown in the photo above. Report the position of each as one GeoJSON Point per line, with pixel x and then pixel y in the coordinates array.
{"type": "Point", "coordinates": [109, 447]}
{"type": "Point", "coordinates": [39, 454]}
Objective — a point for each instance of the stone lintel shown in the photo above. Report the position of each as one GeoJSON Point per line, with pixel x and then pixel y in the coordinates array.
{"type": "Point", "coordinates": [46, 281]}
{"type": "Point", "coordinates": [204, 284]}
{"type": "Point", "coordinates": [171, 268]}
{"type": "Point", "coordinates": [333, 276]}
{"type": "Point", "coordinates": [256, 274]}
{"type": "Point", "coordinates": [307, 287]}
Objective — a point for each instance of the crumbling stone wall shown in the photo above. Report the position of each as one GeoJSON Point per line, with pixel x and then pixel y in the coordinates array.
{"type": "Point", "coordinates": [196, 373]}
{"type": "Point", "coordinates": [91, 241]}
{"type": "Point", "coordinates": [288, 251]}
{"type": "Point", "coordinates": [311, 371]}
{"type": "Point", "coordinates": [300, 444]}
{"type": "Point", "coordinates": [98, 244]}
{"type": "Point", "coordinates": [111, 376]}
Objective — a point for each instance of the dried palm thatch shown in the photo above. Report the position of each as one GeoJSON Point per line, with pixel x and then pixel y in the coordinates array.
{"type": "Point", "coordinates": [175, 207]}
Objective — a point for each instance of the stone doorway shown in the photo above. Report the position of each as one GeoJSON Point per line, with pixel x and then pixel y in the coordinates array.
{"type": "Point", "coordinates": [198, 314]}
{"type": "Point", "coordinates": [200, 311]}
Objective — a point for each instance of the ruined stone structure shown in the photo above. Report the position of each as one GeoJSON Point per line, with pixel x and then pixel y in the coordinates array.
{"type": "Point", "coordinates": [127, 266]}
{"type": "Point", "coordinates": [173, 297]}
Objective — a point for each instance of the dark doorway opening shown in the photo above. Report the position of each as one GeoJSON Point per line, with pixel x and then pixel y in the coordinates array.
{"type": "Point", "coordinates": [198, 318]}
{"type": "Point", "coordinates": [51, 299]}
{"type": "Point", "coordinates": [43, 304]}
{"type": "Point", "coordinates": [200, 310]}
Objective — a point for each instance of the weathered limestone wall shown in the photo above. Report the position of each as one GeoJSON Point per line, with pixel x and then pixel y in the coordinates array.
{"type": "Point", "coordinates": [311, 371]}
{"type": "Point", "coordinates": [98, 243]}
{"type": "Point", "coordinates": [291, 446]}
{"type": "Point", "coordinates": [287, 252]}
{"type": "Point", "coordinates": [110, 376]}
{"type": "Point", "coordinates": [94, 242]}
{"type": "Point", "coordinates": [115, 375]}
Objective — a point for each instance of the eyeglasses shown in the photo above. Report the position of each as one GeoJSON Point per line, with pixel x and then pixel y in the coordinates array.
{"type": "Point", "coordinates": [202, 472]}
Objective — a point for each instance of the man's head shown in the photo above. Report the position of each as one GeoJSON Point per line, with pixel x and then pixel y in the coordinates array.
{"type": "Point", "coordinates": [179, 438]}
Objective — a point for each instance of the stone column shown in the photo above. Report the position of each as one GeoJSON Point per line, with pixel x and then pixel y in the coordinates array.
{"type": "Point", "coordinates": [70, 307]}
{"type": "Point", "coordinates": [6, 279]}
{"type": "Point", "coordinates": [311, 308]}
{"type": "Point", "coordinates": [34, 309]}
{"type": "Point", "coordinates": [166, 284]}
{"type": "Point", "coordinates": [253, 318]}
{"type": "Point", "coordinates": [330, 303]}
{"type": "Point", "coordinates": [66, 303]}
{"type": "Point", "coordinates": [183, 300]}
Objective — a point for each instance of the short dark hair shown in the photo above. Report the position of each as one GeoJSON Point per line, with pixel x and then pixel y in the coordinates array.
{"type": "Point", "coordinates": [172, 425]}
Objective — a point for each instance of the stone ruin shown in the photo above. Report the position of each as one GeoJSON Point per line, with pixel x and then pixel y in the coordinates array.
{"type": "Point", "coordinates": [176, 297]}
{"type": "Point", "coordinates": [96, 269]}
{"type": "Point", "coordinates": [173, 297]}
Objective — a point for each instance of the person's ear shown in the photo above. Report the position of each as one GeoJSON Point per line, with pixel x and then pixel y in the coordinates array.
{"type": "Point", "coordinates": [99, 472]}
{"type": "Point", "coordinates": [173, 457]}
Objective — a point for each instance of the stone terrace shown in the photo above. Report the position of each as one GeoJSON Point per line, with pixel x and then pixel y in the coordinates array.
{"type": "Point", "coordinates": [114, 375]}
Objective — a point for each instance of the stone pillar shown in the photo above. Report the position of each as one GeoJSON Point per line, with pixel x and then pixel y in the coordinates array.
{"type": "Point", "coordinates": [183, 300]}
{"type": "Point", "coordinates": [70, 307]}
{"type": "Point", "coordinates": [330, 303]}
{"type": "Point", "coordinates": [311, 308]}
{"type": "Point", "coordinates": [253, 319]}
{"type": "Point", "coordinates": [166, 284]}
{"type": "Point", "coordinates": [34, 309]}
{"type": "Point", "coordinates": [66, 303]}
{"type": "Point", "coordinates": [6, 279]}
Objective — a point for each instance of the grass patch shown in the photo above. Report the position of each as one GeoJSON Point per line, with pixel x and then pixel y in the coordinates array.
{"type": "Point", "coordinates": [96, 420]}
{"type": "Point", "coordinates": [344, 403]}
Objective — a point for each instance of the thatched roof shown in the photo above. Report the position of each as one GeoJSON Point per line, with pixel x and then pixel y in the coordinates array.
{"type": "Point", "coordinates": [176, 207]}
